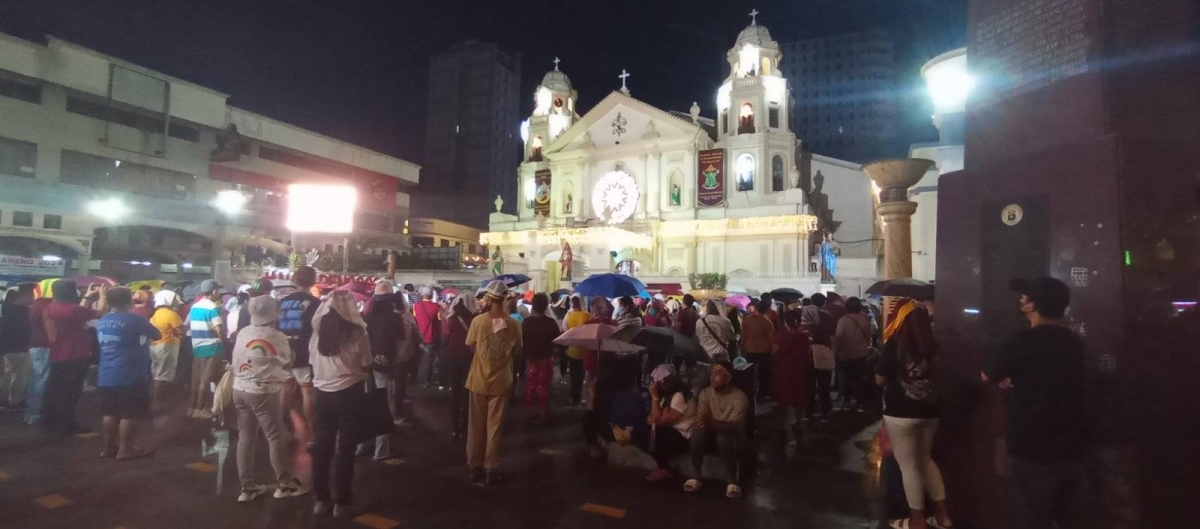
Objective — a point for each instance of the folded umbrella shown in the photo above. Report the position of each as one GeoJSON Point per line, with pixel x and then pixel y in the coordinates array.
{"type": "Point", "coordinates": [596, 336]}
{"type": "Point", "coordinates": [610, 286]}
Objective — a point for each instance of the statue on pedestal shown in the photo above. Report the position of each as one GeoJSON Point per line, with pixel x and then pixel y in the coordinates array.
{"type": "Point", "coordinates": [497, 260]}
{"type": "Point", "coordinates": [567, 206]}
{"type": "Point", "coordinates": [829, 257]}
{"type": "Point", "coordinates": [675, 195]}
{"type": "Point", "coordinates": [499, 203]}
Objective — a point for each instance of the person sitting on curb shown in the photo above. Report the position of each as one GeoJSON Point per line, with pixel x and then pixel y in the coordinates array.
{"type": "Point", "coordinates": [720, 417]}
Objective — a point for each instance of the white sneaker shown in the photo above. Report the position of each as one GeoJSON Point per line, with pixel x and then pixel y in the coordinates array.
{"type": "Point", "coordinates": [733, 492]}
{"type": "Point", "coordinates": [250, 492]}
{"type": "Point", "coordinates": [691, 485]}
{"type": "Point", "coordinates": [291, 489]}
{"type": "Point", "coordinates": [321, 508]}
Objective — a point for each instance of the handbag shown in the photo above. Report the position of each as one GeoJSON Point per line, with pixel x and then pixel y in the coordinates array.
{"type": "Point", "coordinates": [823, 357]}
{"type": "Point", "coordinates": [871, 351]}
{"type": "Point", "coordinates": [729, 350]}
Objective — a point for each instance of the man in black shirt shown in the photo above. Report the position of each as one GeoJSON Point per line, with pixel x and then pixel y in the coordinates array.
{"type": "Point", "coordinates": [296, 312]}
{"type": "Point", "coordinates": [1043, 369]}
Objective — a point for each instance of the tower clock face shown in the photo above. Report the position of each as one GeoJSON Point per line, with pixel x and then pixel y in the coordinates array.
{"type": "Point", "coordinates": [558, 102]}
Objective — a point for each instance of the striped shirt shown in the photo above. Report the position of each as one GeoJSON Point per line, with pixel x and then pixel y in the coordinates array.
{"type": "Point", "coordinates": [205, 317]}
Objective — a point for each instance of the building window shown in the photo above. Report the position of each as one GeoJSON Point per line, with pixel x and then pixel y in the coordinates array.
{"type": "Point", "coordinates": [535, 154]}
{"type": "Point", "coordinates": [23, 219]}
{"type": "Point", "coordinates": [746, 119]}
{"type": "Point", "coordinates": [25, 91]}
{"type": "Point", "coordinates": [129, 118]}
{"type": "Point", "coordinates": [724, 122]}
{"type": "Point", "coordinates": [97, 171]}
{"type": "Point", "coordinates": [17, 158]}
{"type": "Point", "coordinates": [773, 117]}
{"type": "Point", "coordinates": [744, 168]}
{"type": "Point", "coordinates": [52, 222]}
{"type": "Point", "coordinates": [777, 173]}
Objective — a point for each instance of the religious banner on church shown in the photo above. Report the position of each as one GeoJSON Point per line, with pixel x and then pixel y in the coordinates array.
{"type": "Point", "coordinates": [710, 191]}
{"type": "Point", "coordinates": [541, 192]}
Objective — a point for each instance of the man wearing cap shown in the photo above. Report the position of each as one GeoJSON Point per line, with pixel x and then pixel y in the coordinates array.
{"type": "Point", "coordinates": [208, 347]}
{"type": "Point", "coordinates": [429, 315]}
{"type": "Point", "coordinates": [164, 352]}
{"type": "Point", "coordinates": [261, 287]}
{"type": "Point", "coordinates": [1043, 368]}
{"type": "Point", "coordinates": [296, 311]}
{"type": "Point", "coordinates": [721, 418]}
{"type": "Point", "coordinates": [495, 336]}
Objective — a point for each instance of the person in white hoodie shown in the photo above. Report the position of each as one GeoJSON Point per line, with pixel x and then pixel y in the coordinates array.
{"type": "Point", "coordinates": [340, 367]}
{"type": "Point", "coordinates": [262, 363]}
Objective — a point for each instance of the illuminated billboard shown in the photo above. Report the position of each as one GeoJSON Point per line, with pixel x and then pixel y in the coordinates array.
{"type": "Point", "coordinates": [321, 208]}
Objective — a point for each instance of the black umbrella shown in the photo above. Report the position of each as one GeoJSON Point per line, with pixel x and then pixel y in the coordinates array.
{"type": "Point", "coordinates": [786, 295]}
{"type": "Point", "coordinates": [904, 287]}
{"type": "Point", "coordinates": [663, 339]}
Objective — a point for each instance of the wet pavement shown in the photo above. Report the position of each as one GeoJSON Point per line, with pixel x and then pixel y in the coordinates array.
{"type": "Point", "coordinates": [191, 481]}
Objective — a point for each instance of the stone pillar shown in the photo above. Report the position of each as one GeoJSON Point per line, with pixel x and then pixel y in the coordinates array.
{"type": "Point", "coordinates": [654, 185]}
{"type": "Point", "coordinates": [894, 177]}
{"type": "Point", "coordinates": [897, 238]}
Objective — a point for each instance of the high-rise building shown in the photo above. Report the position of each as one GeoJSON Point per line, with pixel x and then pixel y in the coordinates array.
{"type": "Point", "coordinates": [846, 103]}
{"type": "Point", "coordinates": [472, 140]}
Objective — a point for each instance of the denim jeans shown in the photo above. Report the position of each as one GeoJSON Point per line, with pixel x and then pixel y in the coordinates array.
{"type": "Point", "coordinates": [40, 359]}
{"type": "Point", "coordinates": [431, 369]}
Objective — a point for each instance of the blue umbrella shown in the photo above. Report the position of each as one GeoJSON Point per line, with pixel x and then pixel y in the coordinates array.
{"type": "Point", "coordinates": [511, 280]}
{"type": "Point", "coordinates": [610, 286]}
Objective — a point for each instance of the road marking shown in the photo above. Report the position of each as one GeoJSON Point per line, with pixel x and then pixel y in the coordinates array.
{"type": "Point", "coordinates": [200, 466]}
{"type": "Point", "coordinates": [393, 461]}
{"type": "Point", "coordinates": [611, 512]}
{"type": "Point", "coordinates": [552, 452]}
{"type": "Point", "coordinates": [52, 501]}
{"type": "Point", "coordinates": [86, 435]}
{"type": "Point", "coordinates": [4, 475]}
{"type": "Point", "coordinates": [376, 521]}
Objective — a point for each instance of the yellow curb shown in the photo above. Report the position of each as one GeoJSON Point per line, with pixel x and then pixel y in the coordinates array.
{"type": "Point", "coordinates": [376, 522]}
{"type": "Point", "coordinates": [52, 501]}
{"type": "Point", "coordinates": [393, 461]}
{"type": "Point", "coordinates": [202, 467]}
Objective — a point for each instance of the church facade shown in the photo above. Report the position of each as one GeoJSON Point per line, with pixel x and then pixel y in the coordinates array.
{"type": "Point", "coordinates": [631, 188]}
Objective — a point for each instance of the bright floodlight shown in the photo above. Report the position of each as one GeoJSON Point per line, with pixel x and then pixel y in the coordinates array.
{"type": "Point", "coordinates": [109, 209]}
{"type": "Point", "coordinates": [321, 208]}
{"type": "Point", "coordinates": [949, 81]}
{"type": "Point", "coordinates": [230, 202]}
{"type": "Point", "coordinates": [51, 258]}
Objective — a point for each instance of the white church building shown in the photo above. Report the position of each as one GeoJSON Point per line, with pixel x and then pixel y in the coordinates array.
{"type": "Point", "coordinates": [631, 188]}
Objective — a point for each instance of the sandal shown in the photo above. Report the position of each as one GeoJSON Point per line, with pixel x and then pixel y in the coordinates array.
{"type": "Point", "coordinates": [691, 485]}
{"type": "Point", "coordinates": [932, 522]}
{"type": "Point", "coordinates": [901, 523]}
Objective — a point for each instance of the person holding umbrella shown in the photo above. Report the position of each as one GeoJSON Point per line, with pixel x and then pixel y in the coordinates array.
{"type": "Point", "coordinates": [495, 336]}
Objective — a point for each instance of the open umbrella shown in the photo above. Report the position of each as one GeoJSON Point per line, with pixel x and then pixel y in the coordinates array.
{"type": "Point", "coordinates": [902, 287]}
{"type": "Point", "coordinates": [511, 280]}
{"type": "Point", "coordinates": [662, 338]}
{"type": "Point", "coordinates": [740, 301]}
{"type": "Point", "coordinates": [596, 336]}
{"type": "Point", "coordinates": [610, 286]}
{"type": "Point", "coordinates": [786, 295]}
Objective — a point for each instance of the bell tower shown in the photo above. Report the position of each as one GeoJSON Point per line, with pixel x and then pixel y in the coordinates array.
{"type": "Point", "coordinates": [553, 112]}
{"type": "Point", "coordinates": [753, 105]}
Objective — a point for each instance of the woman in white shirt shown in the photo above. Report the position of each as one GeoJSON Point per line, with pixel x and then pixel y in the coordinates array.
{"type": "Point", "coordinates": [715, 332]}
{"type": "Point", "coordinates": [672, 414]}
{"type": "Point", "coordinates": [341, 365]}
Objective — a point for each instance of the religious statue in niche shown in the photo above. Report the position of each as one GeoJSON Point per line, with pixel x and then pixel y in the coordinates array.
{"type": "Point", "coordinates": [618, 125]}
{"type": "Point", "coordinates": [565, 261]}
{"type": "Point", "coordinates": [675, 193]}
{"type": "Point", "coordinates": [497, 262]}
{"type": "Point", "coordinates": [567, 204]}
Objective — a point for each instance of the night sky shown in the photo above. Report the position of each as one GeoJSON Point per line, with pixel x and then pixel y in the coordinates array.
{"type": "Point", "coordinates": [358, 70]}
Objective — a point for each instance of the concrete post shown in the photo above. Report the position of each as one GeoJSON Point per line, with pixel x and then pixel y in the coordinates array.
{"type": "Point", "coordinates": [894, 177]}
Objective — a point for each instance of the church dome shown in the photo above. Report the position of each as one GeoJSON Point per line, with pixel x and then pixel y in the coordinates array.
{"type": "Point", "coordinates": [755, 34]}
{"type": "Point", "coordinates": [557, 81]}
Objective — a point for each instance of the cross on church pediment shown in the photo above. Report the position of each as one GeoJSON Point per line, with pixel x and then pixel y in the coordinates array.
{"type": "Point", "coordinates": [753, 17]}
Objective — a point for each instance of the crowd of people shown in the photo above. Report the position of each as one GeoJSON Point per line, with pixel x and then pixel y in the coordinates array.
{"type": "Point", "coordinates": [334, 370]}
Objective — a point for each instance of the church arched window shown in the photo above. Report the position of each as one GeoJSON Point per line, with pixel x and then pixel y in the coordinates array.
{"type": "Point", "coordinates": [746, 119]}
{"type": "Point", "coordinates": [777, 173]}
{"type": "Point", "coordinates": [535, 154]}
{"type": "Point", "coordinates": [744, 169]}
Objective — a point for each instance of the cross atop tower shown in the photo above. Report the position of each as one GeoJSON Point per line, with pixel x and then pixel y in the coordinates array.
{"type": "Point", "coordinates": [753, 17]}
{"type": "Point", "coordinates": [556, 61]}
{"type": "Point", "coordinates": [623, 76]}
